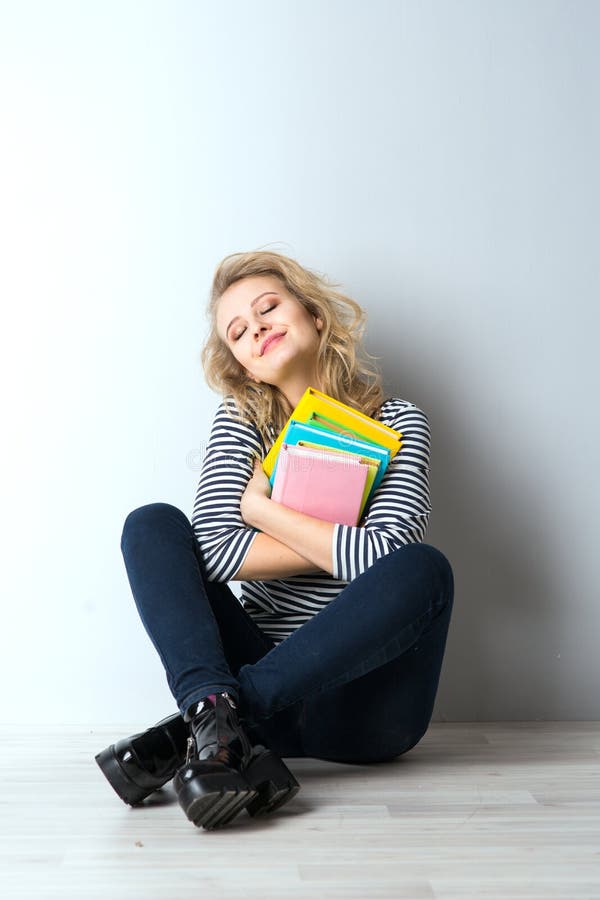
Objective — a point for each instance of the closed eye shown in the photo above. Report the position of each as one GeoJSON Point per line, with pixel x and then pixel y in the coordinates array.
{"type": "Point", "coordinates": [262, 312]}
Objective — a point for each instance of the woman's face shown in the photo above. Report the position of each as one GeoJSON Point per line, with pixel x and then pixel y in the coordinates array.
{"type": "Point", "coordinates": [270, 333]}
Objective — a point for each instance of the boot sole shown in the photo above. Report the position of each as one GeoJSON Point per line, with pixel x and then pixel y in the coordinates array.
{"type": "Point", "coordinates": [213, 800]}
{"type": "Point", "coordinates": [130, 792]}
{"type": "Point", "coordinates": [273, 782]}
{"type": "Point", "coordinates": [268, 785]}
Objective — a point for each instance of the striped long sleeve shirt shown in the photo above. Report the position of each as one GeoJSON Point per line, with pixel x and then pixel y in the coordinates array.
{"type": "Point", "coordinates": [397, 514]}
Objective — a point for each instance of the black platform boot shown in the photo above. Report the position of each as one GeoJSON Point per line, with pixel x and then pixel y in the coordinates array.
{"type": "Point", "coordinates": [138, 765]}
{"type": "Point", "coordinates": [223, 773]}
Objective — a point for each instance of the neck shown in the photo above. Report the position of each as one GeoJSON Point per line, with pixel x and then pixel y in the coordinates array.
{"type": "Point", "coordinates": [294, 388]}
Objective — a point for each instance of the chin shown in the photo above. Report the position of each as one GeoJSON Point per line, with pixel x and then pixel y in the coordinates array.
{"type": "Point", "coordinates": [280, 356]}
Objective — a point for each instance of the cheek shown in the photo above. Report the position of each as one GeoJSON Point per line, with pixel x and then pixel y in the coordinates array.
{"type": "Point", "coordinates": [237, 353]}
{"type": "Point", "coordinates": [232, 348]}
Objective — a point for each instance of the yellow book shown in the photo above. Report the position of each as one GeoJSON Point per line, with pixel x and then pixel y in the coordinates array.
{"type": "Point", "coordinates": [373, 465]}
{"type": "Point", "coordinates": [315, 402]}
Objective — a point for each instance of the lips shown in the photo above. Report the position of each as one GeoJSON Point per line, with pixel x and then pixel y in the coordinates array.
{"type": "Point", "coordinates": [269, 341]}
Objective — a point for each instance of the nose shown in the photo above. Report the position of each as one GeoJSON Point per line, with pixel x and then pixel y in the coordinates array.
{"type": "Point", "coordinates": [260, 327]}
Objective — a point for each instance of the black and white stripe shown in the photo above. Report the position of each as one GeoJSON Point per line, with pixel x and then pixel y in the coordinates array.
{"type": "Point", "coordinates": [397, 515]}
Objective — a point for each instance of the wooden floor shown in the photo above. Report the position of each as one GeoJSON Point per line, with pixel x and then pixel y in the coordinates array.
{"type": "Point", "coordinates": [486, 811]}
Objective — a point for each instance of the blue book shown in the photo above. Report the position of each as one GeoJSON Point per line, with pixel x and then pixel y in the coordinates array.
{"type": "Point", "coordinates": [300, 431]}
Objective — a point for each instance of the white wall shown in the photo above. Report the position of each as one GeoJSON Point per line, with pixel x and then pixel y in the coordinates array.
{"type": "Point", "coordinates": [438, 159]}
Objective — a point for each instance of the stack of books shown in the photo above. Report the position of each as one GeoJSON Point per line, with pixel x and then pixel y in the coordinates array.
{"type": "Point", "coordinates": [329, 458]}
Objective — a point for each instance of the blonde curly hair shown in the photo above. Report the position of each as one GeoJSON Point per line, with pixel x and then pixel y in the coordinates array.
{"type": "Point", "coordinates": [346, 369]}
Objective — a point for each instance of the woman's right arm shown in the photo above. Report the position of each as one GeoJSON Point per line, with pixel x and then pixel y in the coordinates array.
{"type": "Point", "coordinates": [268, 558]}
{"type": "Point", "coordinates": [230, 549]}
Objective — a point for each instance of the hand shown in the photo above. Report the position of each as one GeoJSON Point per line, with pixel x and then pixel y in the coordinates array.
{"type": "Point", "coordinates": [257, 490]}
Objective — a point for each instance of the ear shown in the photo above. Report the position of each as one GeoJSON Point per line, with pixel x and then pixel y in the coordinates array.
{"type": "Point", "coordinates": [318, 323]}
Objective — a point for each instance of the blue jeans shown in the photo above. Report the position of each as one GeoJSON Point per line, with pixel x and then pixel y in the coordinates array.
{"type": "Point", "coordinates": [356, 683]}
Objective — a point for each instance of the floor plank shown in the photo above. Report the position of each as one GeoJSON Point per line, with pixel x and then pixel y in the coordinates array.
{"type": "Point", "coordinates": [489, 810]}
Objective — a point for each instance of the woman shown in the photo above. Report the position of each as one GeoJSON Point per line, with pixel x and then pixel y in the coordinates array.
{"type": "Point", "coordinates": [337, 649]}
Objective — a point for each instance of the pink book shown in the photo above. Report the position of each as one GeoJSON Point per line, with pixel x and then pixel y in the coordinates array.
{"type": "Point", "coordinates": [326, 485]}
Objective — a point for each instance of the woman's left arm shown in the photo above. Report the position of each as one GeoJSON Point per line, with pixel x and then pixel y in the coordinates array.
{"type": "Point", "coordinates": [398, 513]}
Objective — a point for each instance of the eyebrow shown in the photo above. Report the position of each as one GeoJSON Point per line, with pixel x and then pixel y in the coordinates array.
{"type": "Point", "coordinates": [253, 303]}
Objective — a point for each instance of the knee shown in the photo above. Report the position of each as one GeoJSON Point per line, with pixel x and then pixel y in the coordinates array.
{"type": "Point", "coordinates": [444, 571]}
{"type": "Point", "coordinates": [150, 517]}
{"type": "Point", "coordinates": [435, 566]}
